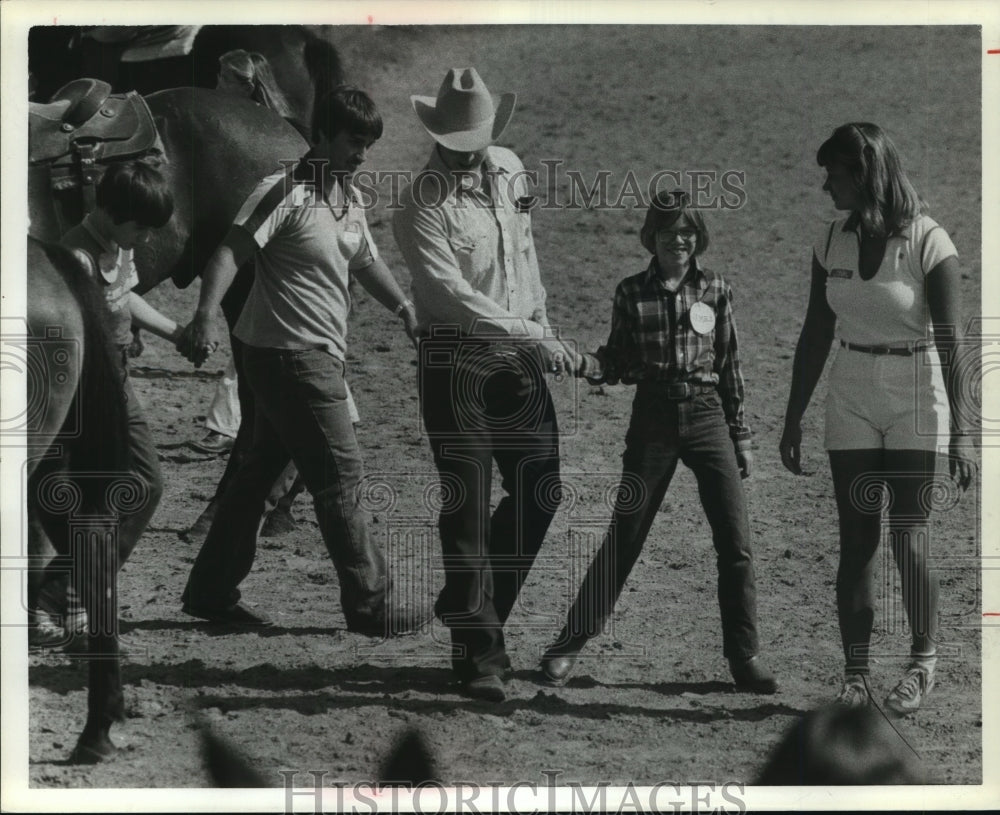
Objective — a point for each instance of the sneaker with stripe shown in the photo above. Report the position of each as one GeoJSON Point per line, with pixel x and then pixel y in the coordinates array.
{"type": "Point", "coordinates": [854, 693]}
{"type": "Point", "coordinates": [911, 691]}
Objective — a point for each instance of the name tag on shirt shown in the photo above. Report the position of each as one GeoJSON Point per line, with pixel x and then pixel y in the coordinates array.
{"type": "Point", "coordinates": [845, 274]}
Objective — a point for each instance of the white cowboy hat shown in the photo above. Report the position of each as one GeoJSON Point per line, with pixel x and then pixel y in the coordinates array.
{"type": "Point", "coordinates": [464, 116]}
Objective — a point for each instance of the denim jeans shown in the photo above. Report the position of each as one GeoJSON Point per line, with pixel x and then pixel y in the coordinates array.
{"type": "Point", "coordinates": [503, 412]}
{"type": "Point", "coordinates": [301, 416]}
{"type": "Point", "coordinates": [232, 306]}
{"type": "Point", "coordinates": [662, 433]}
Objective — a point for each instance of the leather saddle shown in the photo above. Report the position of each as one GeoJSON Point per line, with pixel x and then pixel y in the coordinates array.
{"type": "Point", "coordinates": [85, 121]}
{"type": "Point", "coordinates": [82, 129]}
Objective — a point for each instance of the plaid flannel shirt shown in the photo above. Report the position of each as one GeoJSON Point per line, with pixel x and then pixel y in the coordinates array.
{"type": "Point", "coordinates": [652, 339]}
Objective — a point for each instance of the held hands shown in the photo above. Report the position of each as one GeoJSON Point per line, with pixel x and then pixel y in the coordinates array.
{"type": "Point", "coordinates": [197, 341]}
{"type": "Point", "coordinates": [561, 358]}
{"type": "Point", "coordinates": [136, 347]}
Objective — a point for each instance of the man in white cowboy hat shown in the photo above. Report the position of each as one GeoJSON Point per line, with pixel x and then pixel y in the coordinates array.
{"type": "Point", "coordinates": [464, 228]}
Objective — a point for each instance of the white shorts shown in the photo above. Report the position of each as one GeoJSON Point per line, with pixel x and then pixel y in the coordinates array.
{"type": "Point", "coordinates": [886, 402]}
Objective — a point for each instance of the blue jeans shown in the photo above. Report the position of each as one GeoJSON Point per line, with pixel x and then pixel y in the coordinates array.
{"type": "Point", "coordinates": [232, 306]}
{"type": "Point", "coordinates": [301, 416]}
{"type": "Point", "coordinates": [661, 433]}
{"type": "Point", "coordinates": [495, 409]}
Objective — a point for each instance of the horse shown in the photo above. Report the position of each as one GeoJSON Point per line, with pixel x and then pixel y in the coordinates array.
{"type": "Point", "coordinates": [77, 454]}
{"type": "Point", "coordinates": [216, 147]}
{"type": "Point", "coordinates": [304, 60]}
{"type": "Point", "coordinates": [212, 148]}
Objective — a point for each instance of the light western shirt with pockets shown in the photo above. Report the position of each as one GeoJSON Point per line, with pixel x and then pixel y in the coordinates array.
{"type": "Point", "coordinates": [890, 308]}
{"type": "Point", "coordinates": [470, 252]}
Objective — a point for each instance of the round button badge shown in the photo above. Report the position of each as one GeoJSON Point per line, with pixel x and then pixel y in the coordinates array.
{"type": "Point", "coordinates": [702, 318]}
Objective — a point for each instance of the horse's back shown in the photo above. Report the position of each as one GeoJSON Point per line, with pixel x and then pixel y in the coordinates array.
{"type": "Point", "coordinates": [218, 147]}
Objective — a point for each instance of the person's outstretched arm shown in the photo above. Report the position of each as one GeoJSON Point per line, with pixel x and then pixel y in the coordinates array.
{"type": "Point", "coordinates": [198, 337]}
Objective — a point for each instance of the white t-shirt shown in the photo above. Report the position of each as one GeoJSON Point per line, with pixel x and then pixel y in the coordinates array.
{"type": "Point", "coordinates": [891, 308]}
{"type": "Point", "coordinates": [306, 251]}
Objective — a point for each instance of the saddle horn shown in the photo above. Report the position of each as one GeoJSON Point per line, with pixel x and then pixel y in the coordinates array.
{"type": "Point", "coordinates": [86, 96]}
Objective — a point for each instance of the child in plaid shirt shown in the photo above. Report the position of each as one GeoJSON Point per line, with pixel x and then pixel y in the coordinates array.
{"type": "Point", "coordinates": [673, 335]}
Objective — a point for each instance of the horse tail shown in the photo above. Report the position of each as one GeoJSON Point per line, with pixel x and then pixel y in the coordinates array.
{"type": "Point", "coordinates": [99, 412]}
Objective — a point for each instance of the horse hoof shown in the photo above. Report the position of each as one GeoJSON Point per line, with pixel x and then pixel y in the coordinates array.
{"type": "Point", "coordinates": [92, 751]}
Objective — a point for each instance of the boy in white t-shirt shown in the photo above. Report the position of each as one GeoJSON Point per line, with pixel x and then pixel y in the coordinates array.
{"type": "Point", "coordinates": [306, 232]}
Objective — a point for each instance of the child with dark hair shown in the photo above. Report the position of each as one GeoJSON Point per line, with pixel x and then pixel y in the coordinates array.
{"type": "Point", "coordinates": [673, 335]}
{"type": "Point", "coordinates": [133, 199]}
{"type": "Point", "coordinates": [134, 192]}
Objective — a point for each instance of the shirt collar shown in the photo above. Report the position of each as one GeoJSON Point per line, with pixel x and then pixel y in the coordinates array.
{"type": "Point", "coordinates": [312, 175]}
{"type": "Point", "coordinates": [694, 277]}
{"type": "Point", "coordinates": [472, 179]}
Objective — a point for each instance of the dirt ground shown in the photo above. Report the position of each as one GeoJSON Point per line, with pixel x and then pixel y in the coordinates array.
{"type": "Point", "coordinates": [652, 699]}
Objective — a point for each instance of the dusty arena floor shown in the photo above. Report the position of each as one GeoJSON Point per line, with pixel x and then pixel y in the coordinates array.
{"type": "Point", "coordinates": [652, 700]}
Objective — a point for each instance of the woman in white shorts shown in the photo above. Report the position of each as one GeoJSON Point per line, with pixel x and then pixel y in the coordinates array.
{"type": "Point", "coordinates": [886, 285]}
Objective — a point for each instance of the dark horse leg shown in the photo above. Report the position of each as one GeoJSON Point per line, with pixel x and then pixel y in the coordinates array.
{"type": "Point", "coordinates": [96, 573]}
{"type": "Point", "coordinates": [87, 547]}
{"type": "Point", "coordinates": [74, 492]}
